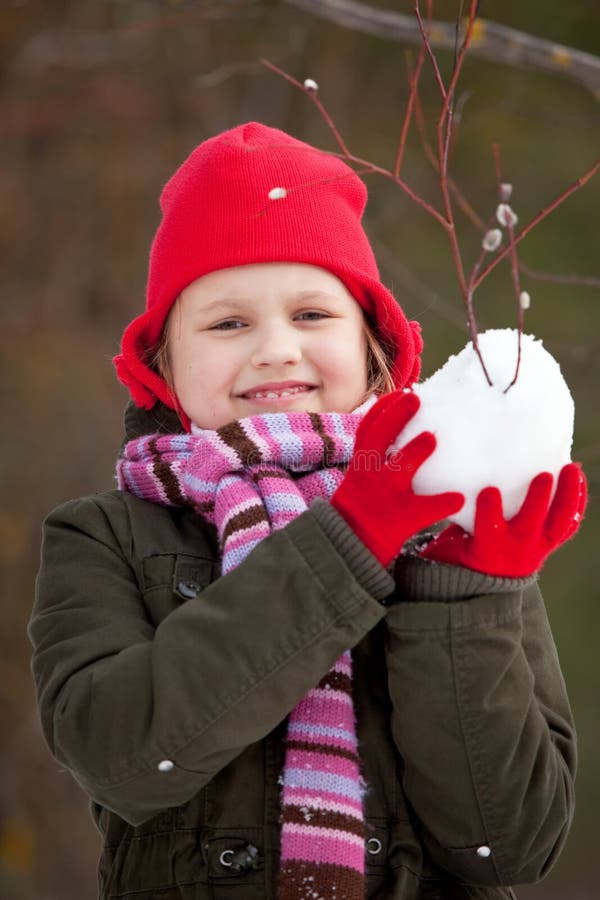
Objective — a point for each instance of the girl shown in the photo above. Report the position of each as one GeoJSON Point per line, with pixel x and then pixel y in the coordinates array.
{"type": "Point", "coordinates": [192, 630]}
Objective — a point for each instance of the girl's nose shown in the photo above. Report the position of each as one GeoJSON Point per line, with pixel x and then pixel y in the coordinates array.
{"type": "Point", "coordinates": [277, 347]}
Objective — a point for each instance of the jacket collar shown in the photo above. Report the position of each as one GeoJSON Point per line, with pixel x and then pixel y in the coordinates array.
{"type": "Point", "coordinates": [160, 418]}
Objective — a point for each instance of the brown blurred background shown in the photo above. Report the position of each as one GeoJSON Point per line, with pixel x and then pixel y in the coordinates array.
{"type": "Point", "coordinates": [99, 102]}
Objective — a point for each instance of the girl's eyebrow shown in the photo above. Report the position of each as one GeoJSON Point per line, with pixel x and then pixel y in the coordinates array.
{"type": "Point", "coordinates": [228, 303]}
{"type": "Point", "coordinates": [222, 303]}
{"type": "Point", "coordinates": [316, 295]}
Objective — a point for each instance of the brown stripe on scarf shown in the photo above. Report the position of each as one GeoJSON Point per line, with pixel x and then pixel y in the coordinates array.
{"type": "Point", "coordinates": [235, 437]}
{"type": "Point", "coordinates": [244, 519]}
{"type": "Point", "coordinates": [163, 472]}
{"type": "Point", "coordinates": [329, 749]}
{"type": "Point", "coordinates": [298, 875]}
{"type": "Point", "coordinates": [323, 818]}
{"type": "Point", "coordinates": [336, 681]}
{"type": "Point", "coordinates": [257, 474]}
{"type": "Point", "coordinates": [328, 444]}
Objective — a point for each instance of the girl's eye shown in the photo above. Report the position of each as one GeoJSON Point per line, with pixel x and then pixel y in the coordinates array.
{"type": "Point", "coordinates": [227, 325]}
{"type": "Point", "coordinates": [313, 315]}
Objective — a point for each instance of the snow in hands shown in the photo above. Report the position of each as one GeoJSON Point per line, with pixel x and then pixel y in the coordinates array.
{"type": "Point", "coordinates": [485, 435]}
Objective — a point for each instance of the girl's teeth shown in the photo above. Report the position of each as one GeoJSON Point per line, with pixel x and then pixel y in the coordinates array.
{"type": "Point", "coordinates": [272, 395]}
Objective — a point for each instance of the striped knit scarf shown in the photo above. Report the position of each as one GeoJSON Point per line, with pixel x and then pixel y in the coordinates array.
{"type": "Point", "coordinates": [241, 479]}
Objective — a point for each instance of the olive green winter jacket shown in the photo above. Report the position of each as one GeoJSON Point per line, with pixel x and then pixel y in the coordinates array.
{"type": "Point", "coordinates": [164, 689]}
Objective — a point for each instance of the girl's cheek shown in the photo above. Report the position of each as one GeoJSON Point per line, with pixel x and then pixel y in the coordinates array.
{"type": "Point", "coordinates": [340, 354]}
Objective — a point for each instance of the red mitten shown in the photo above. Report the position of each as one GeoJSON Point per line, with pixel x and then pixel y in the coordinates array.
{"type": "Point", "coordinates": [517, 547]}
{"type": "Point", "coordinates": [376, 498]}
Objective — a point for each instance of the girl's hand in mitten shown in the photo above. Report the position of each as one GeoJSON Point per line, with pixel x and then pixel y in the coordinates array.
{"type": "Point", "coordinates": [517, 547]}
{"type": "Point", "coordinates": [376, 497]}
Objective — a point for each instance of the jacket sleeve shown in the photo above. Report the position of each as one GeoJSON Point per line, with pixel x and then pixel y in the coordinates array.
{"type": "Point", "coordinates": [481, 720]}
{"type": "Point", "coordinates": [143, 717]}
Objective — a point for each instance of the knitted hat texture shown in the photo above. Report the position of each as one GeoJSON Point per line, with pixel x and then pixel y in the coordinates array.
{"type": "Point", "coordinates": [255, 194]}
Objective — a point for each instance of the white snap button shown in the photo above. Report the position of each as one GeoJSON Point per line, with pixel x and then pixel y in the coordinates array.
{"type": "Point", "coordinates": [373, 846]}
{"type": "Point", "coordinates": [166, 765]}
{"type": "Point", "coordinates": [484, 851]}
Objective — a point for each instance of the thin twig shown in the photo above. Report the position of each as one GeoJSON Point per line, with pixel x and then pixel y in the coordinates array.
{"type": "Point", "coordinates": [413, 80]}
{"type": "Point", "coordinates": [514, 263]}
{"type": "Point", "coordinates": [483, 252]}
{"type": "Point", "coordinates": [430, 53]}
{"type": "Point", "coordinates": [447, 108]}
{"type": "Point", "coordinates": [553, 278]}
{"type": "Point", "coordinates": [458, 195]}
{"type": "Point", "coordinates": [494, 42]}
{"type": "Point", "coordinates": [357, 160]}
{"type": "Point", "coordinates": [313, 96]}
{"type": "Point", "coordinates": [444, 126]}
{"type": "Point", "coordinates": [472, 215]}
{"type": "Point", "coordinates": [579, 183]}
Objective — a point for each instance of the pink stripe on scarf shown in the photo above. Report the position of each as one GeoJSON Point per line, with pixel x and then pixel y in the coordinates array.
{"type": "Point", "coordinates": [324, 845]}
{"type": "Point", "coordinates": [326, 712]}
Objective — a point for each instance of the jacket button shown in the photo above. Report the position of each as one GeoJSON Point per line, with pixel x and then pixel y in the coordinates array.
{"type": "Point", "coordinates": [188, 589]}
{"type": "Point", "coordinates": [166, 765]}
{"type": "Point", "coordinates": [484, 851]}
{"type": "Point", "coordinates": [374, 846]}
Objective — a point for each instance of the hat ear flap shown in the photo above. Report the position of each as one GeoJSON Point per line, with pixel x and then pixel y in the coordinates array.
{"type": "Point", "coordinates": [415, 328]}
{"type": "Point", "coordinates": [140, 394]}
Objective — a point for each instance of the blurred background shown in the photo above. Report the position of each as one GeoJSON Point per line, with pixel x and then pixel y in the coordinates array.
{"type": "Point", "coordinates": [99, 102]}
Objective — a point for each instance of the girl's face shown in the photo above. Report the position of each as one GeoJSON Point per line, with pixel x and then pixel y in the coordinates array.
{"type": "Point", "coordinates": [270, 337]}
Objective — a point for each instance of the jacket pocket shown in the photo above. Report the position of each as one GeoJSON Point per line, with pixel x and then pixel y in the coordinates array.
{"type": "Point", "coordinates": [168, 580]}
{"type": "Point", "coordinates": [152, 861]}
{"type": "Point", "coordinates": [192, 574]}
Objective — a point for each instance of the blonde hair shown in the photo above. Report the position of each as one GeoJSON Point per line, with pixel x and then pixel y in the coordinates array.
{"type": "Point", "coordinates": [379, 360]}
{"type": "Point", "coordinates": [159, 359]}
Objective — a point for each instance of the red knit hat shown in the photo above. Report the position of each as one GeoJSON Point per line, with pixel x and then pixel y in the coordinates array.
{"type": "Point", "coordinates": [253, 195]}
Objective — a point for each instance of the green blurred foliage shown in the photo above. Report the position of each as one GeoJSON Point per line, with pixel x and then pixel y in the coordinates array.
{"type": "Point", "coordinates": [99, 103]}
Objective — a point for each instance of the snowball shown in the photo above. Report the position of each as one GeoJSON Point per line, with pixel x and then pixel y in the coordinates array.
{"type": "Point", "coordinates": [488, 437]}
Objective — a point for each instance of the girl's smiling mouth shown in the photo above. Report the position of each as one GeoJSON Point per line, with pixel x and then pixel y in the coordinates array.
{"type": "Point", "coordinates": [277, 390]}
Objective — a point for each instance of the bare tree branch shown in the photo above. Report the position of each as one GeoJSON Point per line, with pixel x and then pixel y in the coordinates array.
{"type": "Point", "coordinates": [440, 159]}
{"type": "Point", "coordinates": [223, 73]}
{"type": "Point", "coordinates": [76, 48]}
{"type": "Point", "coordinates": [490, 41]}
